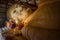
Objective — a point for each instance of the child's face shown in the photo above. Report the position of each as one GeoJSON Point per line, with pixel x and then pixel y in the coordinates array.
{"type": "Point", "coordinates": [20, 12]}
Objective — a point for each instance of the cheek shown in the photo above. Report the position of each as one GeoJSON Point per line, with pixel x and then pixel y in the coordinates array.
{"type": "Point", "coordinates": [23, 15]}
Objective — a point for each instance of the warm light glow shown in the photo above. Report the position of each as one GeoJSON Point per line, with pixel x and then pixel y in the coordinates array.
{"type": "Point", "coordinates": [29, 19]}
{"type": "Point", "coordinates": [19, 13]}
{"type": "Point", "coordinates": [16, 21]}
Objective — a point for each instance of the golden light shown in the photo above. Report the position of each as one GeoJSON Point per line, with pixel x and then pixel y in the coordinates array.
{"type": "Point", "coordinates": [19, 13]}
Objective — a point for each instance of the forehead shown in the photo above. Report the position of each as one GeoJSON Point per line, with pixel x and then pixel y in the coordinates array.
{"type": "Point", "coordinates": [21, 5]}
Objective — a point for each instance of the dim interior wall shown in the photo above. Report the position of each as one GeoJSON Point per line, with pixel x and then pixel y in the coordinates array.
{"type": "Point", "coordinates": [3, 8]}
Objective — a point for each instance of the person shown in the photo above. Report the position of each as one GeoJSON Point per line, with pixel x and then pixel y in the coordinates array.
{"type": "Point", "coordinates": [11, 24]}
{"type": "Point", "coordinates": [20, 26]}
{"type": "Point", "coordinates": [31, 2]}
